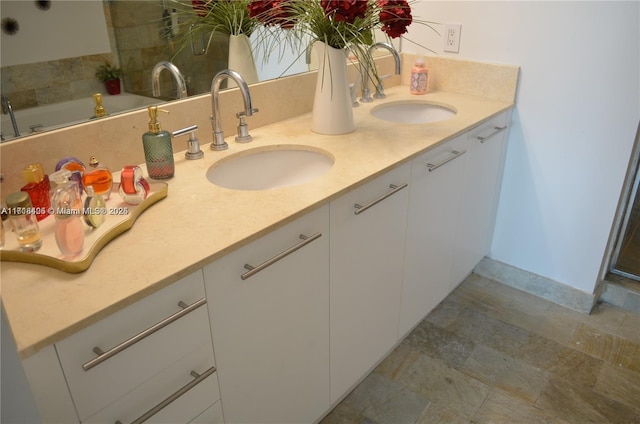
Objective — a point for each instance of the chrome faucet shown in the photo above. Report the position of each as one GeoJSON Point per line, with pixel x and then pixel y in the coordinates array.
{"type": "Point", "coordinates": [7, 109]}
{"type": "Point", "coordinates": [181, 85]}
{"type": "Point", "coordinates": [216, 122]}
{"type": "Point", "coordinates": [366, 93]}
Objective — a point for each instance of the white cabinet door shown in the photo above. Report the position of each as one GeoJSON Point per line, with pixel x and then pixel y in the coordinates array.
{"type": "Point", "coordinates": [485, 161]}
{"type": "Point", "coordinates": [434, 204]}
{"type": "Point", "coordinates": [367, 248]}
{"type": "Point", "coordinates": [271, 330]}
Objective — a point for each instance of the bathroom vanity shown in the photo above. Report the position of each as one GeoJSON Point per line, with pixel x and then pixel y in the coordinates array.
{"type": "Point", "coordinates": [271, 305]}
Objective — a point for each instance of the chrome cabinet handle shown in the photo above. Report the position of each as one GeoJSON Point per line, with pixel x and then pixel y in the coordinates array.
{"type": "Point", "coordinates": [181, 391]}
{"type": "Point", "coordinates": [360, 208]}
{"type": "Point", "coordinates": [497, 130]}
{"type": "Point", "coordinates": [454, 154]}
{"type": "Point", "coordinates": [254, 270]}
{"type": "Point", "coordinates": [103, 356]}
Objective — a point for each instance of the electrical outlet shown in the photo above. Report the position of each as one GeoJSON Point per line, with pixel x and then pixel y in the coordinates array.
{"type": "Point", "coordinates": [452, 37]}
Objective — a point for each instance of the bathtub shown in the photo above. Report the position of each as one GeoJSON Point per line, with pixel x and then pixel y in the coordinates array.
{"type": "Point", "coordinates": [57, 115]}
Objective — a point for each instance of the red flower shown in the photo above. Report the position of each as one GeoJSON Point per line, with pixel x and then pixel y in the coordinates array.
{"type": "Point", "coordinates": [272, 12]}
{"type": "Point", "coordinates": [395, 16]}
{"type": "Point", "coordinates": [345, 10]}
{"type": "Point", "coordinates": [201, 7]}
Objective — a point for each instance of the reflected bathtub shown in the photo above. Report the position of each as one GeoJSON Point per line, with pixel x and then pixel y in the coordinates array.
{"type": "Point", "coordinates": [58, 115]}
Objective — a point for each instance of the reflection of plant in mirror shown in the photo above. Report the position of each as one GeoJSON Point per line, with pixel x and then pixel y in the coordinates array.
{"type": "Point", "coordinates": [108, 72]}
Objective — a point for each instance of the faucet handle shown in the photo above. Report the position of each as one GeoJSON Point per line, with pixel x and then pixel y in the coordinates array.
{"type": "Point", "coordinates": [193, 145]}
{"type": "Point", "coordinates": [243, 129]}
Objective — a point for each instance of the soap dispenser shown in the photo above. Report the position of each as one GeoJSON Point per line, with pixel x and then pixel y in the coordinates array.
{"type": "Point", "coordinates": [158, 152]}
{"type": "Point", "coordinates": [98, 110]}
{"type": "Point", "coordinates": [419, 75]}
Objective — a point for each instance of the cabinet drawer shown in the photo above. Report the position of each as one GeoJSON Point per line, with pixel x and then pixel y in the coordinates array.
{"type": "Point", "coordinates": [189, 402]}
{"type": "Point", "coordinates": [489, 130]}
{"type": "Point", "coordinates": [100, 385]}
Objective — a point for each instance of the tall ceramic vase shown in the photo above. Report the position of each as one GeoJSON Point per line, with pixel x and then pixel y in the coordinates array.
{"type": "Point", "coordinates": [241, 58]}
{"type": "Point", "coordinates": [332, 107]}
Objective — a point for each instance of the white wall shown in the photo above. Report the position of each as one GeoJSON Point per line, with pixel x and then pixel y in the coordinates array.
{"type": "Point", "coordinates": [578, 106]}
{"type": "Point", "coordinates": [67, 29]}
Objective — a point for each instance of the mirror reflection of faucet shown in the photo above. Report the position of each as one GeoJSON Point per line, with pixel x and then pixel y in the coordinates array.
{"type": "Point", "coordinates": [216, 121]}
{"type": "Point", "coordinates": [181, 85]}
{"type": "Point", "coordinates": [7, 109]}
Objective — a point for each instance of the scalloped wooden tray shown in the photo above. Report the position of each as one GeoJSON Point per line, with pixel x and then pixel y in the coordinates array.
{"type": "Point", "coordinates": [121, 219]}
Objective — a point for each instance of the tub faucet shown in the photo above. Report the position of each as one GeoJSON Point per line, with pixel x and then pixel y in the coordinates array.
{"type": "Point", "coordinates": [216, 122]}
{"type": "Point", "coordinates": [366, 93]}
{"type": "Point", "coordinates": [7, 109]}
{"type": "Point", "coordinates": [181, 85]}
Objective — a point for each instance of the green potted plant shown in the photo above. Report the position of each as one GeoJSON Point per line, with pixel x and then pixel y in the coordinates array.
{"type": "Point", "coordinates": [110, 75]}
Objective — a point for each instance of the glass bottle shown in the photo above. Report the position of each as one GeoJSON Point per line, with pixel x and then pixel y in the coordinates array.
{"type": "Point", "coordinates": [76, 167]}
{"type": "Point", "coordinates": [419, 75]}
{"type": "Point", "coordinates": [67, 206]}
{"type": "Point", "coordinates": [99, 177]}
{"type": "Point", "coordinates": [24, 222]}
{"type": "Point", "coordinates": [158, 151]}
{"type": "Point", "coordinates": [95, 208]}
{"type": "Point", "coordinates": [38, 188]}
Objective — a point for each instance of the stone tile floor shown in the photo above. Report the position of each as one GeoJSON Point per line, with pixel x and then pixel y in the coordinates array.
{"type": "Point", "coordinates": [493, 354]}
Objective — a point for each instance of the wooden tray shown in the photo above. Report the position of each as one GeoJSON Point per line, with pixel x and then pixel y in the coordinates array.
{"type": "Point", "coordinates": [120, 217]}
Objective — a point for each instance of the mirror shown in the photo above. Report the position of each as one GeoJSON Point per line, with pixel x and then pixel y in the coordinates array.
{"type": "Point", "coordinates": [50, 59]}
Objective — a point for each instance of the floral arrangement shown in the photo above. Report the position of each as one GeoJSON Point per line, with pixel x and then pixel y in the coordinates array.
{"type": "Point", "coordinates": [337, 23]}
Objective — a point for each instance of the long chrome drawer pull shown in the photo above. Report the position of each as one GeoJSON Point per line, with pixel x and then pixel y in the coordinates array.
{"type": "Point", "coordinates": [103, 356]}
{"type": "Point", "coordinates": [184, 389]}
{"type": "Point", "coordinates": [360, 208]}
{"type": "Point", "coordinates": [497, 130]}
{"type": "Point", "coordinates": [454, 154]}
{"type": "Point", "coordinates": [254, 270]}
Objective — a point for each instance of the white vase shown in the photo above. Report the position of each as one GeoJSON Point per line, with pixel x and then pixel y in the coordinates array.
{"type": "Point", "coordinates": [332, 106]}
{"type": "Point", "coordinates": [241, 58]}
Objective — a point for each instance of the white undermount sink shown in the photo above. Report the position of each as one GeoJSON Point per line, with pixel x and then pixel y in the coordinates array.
{"type": "Point", "coordinates": [412, 112]}
{"type": "Point", "coordinates": [268, 168]}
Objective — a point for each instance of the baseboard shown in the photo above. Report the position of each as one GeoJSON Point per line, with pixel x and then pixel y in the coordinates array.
{"type": "Point", "coordinates": [621, 292]}
{"type": "Point", "coordinates": [543, 287]}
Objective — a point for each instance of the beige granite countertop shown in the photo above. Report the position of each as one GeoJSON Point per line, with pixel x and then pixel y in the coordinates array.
{"type": "Point", "coordinates": [199, 222]}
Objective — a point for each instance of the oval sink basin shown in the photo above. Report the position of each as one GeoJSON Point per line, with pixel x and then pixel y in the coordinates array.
{"type": "Point", "coordinates": [412, 112]}
{"type": "Point", "coordinates": [264, 169]}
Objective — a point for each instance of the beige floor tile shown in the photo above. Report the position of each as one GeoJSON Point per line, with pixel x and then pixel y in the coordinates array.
{"type": "Point", "coordinates": [439, 343]}
{"type": "Point", "coordinates": [503, 408]}
{"type": "Point", "coordinates": [444, 386]}
{"type": "Point", "coordinates": [612, 349]}
{"type": "Point", "coordinates": [438, 414]}
{"type": "Point", "coordinates": [499, 370]}
{"type": "Point", "coordinates": [445, 313]}
{"type": "Point", "coordinates": [630, 327]}
{"type": "Point", "coordinates": [619, 384]}
{"type": "Point", "coordinates": [579, 404]}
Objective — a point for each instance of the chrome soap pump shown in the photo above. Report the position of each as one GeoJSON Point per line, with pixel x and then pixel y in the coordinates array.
{"type": "Point", "coordinates": [158, 152]}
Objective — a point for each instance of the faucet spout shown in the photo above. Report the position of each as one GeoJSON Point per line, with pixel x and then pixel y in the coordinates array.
{"type": "Point", "coordinates": [7, 109]}
{"type": "Point", "coordinates": [181, 85]}
{"type": "Point", "coordinates": [216, 121]}
{"type": "Point", "coordinates": [366, 95]}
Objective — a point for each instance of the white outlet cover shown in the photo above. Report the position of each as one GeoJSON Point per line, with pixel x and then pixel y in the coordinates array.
{"type": "Point", "coordinates": [451, 37]}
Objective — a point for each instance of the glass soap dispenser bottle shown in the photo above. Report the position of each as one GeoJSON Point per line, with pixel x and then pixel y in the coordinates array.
{"type": "Point", "coordinates": [158, 152]}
